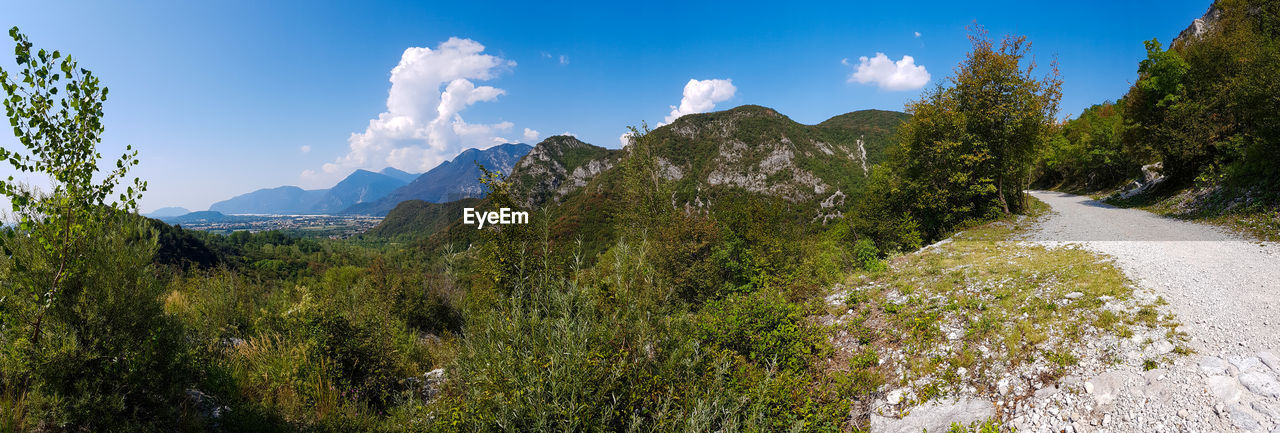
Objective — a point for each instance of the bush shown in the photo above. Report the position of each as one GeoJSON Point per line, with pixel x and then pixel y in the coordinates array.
{"type": "Point", "coordinates": [683, 256]}
{"type": "Point", "coordinates": [109, 359]}
{"type": "Point", "coordinates": [882, 215]}
{"type": "Point", "coordinates": [867, 256]}
{"type": "Point", "coordinates": [764, 328]}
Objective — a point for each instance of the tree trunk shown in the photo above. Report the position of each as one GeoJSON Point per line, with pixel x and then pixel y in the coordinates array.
{"type": "Point", "coordinates": [1000, 192]}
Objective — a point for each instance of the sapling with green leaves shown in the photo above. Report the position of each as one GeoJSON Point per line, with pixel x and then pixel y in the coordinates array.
{"type": "Point", "coordinates": [56, 109]}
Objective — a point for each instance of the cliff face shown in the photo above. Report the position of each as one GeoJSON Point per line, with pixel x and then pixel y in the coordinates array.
{"type": "Point", "coordinates": [1199, 27]}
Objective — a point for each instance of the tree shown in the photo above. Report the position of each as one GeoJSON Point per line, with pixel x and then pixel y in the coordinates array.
{"type": "Point", "coordinates": [1207, 105]}
{"type": "Point", "coordinates": [1008, 112]}
{"type": "Point", "coordinates": [1087, 152]}
{"type": "Point", "coordinates": [55, 109]}
{"type": "Point", "coordinates": [1156, 110]}
{"type": "Point", "coordinates": [967, 151]}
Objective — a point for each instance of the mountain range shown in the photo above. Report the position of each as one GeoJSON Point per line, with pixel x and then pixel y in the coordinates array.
{"type": "Point", "coordinates": [167, 212]}
{"type": "Point", "coordinates": [365, 192]}
{"type": "Point", "coordinates": [451, 180]}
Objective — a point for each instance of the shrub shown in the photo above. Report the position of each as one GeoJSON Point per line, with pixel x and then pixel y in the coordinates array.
{"type": "Point", "coordinates": [762, 327]}
{"type": "Point", "coordinates": [684, 256]}
{"type": "Point", "coordinates": [867, 256]}
{"type": "Point", "coordinates": [109, 358]}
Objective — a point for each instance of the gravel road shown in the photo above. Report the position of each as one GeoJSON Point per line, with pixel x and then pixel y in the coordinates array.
{"type": "Point", "coordinates": [1223, 288]}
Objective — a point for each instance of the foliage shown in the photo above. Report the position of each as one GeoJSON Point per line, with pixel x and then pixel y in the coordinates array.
{"type": "Point", "coordinates": [60, 134]}
{"type": "Point", "coordinates": [509, 252]}
{"type": "Point", "coordinates": [603, 350]}
{"type": "Point", "coordinates": [762, 327]}
{"type": "Point", "coordinates": [1207, 105]}
{"type": "Point", "coordinates": [867, 256]}
{"type": "Point", "coordinates": [109, 358]}
{"type": "Point", "coordinates": [1006, 112]}
{"type": "Point", "coordinates": [1088, 152]}
{"type": "Point", "coordinates": [416, 218]}
{"type": "Point", "coordinates": [967, 151]}
{"type": "Point", "coordinates": [85, 342]}
{"type": "Point", "coordinates": [1157, 114]}
{"type": "Point", "coordinates": [684, 256]}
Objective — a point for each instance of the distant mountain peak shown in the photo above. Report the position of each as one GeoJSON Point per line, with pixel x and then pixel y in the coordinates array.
{"type": "Point", "coordinates": [362, 186]}
{"type": "Point", "coordinates": [170, 211]}
{"type": "Point", "coordinates": [400, 174]}
{"type": "Point", "coordinates": [451, 180]}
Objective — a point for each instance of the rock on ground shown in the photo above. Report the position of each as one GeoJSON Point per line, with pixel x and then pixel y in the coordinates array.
{"type": "Point", "coordinates": [936, 416]}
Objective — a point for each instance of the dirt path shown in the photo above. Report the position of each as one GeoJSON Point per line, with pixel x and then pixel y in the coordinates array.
{"type": "Point", "coordinates": [1223, 288]}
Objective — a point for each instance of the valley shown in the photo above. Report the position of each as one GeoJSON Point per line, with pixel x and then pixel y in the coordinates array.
{"type": "Point", "coordinates": [322, 226]}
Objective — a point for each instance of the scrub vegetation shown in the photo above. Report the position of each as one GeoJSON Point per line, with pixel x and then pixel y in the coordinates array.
{"type": "Point", "coordinates": [731, 271]}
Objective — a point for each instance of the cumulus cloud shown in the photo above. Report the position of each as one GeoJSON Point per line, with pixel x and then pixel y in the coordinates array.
{"type": "Point", "coordinates": [917, 34]}
{"type": "Point", "coordinates": [530, 136]}
{"type": "Point", "coordinates": [887, 74]}
{"type": "Point", "coordinates": [422, 125]}
{"type": "Point", "coordinates": [305, 149]}
{"type": "Point", "coordinates": [701, 97]}
{"type": "Point", "coordinates": [624, 140]}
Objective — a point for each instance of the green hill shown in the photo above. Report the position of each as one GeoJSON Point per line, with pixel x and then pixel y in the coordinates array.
{"type": "Point", "coordinates": [422, 218]}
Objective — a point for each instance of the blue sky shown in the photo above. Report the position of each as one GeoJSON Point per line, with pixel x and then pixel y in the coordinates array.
{"type": "Point", "coordinates": [222, 97]}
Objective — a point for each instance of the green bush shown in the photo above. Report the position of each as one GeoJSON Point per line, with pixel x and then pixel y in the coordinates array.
{"type": "Point", "coordinates": [684, 256]}
{"type": "Point", "coordinates": [764, 328]}
{"type": "Point", "coordinates": [868, 256]}
{"type": "Point", "coordinates": [109, 359]}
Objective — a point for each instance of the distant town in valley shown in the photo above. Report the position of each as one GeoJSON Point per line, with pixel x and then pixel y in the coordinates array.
{"type": "Point", "coordinates": [312, 226]}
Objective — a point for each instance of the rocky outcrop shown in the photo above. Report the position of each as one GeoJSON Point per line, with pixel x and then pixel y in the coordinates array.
{"type": "Point", "coordinates": [1150, 178]}
{"type": "Point", "coordinates": [829, 208]}
{"type": "Point", "coordinates": [1198, 27]}
{"type": "Point", "coordinates": [937, 416]}
{"type": "Point", "coordinates": [558, 166]}
{"type": "Point", "coordinates": [776, 174]}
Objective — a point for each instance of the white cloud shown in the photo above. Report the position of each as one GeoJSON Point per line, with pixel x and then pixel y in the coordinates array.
{"type": "Point", "coordinates": [305, 149]}
{"type": "Point", "coordinates": [530, 136]}
{"type": "Point", "coordinates": [701, 97]}
{"type": "Point", "coordinates": [890, 75]}
{"type": "Point", "coordinates": [624, 140]}
{"type": "Point", "coordinates": [917, 34]}
{"type": "Point", "coordinates": [564, 60]}
{"type": "Point", "coordinates": [423, 125]}
{"type": "Point", "coordinates": [844, 61]}
{"type": "Point", "coordinates": [569, 134]}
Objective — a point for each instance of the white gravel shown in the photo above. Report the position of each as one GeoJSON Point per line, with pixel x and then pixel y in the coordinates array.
{"type": "Point", "coordinates": [1223, 288]}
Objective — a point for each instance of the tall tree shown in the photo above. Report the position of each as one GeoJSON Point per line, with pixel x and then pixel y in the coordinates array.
{"type": "Point", "coordinates": [966, 154]}
{"type": "Point", "coordinates": [1008, 111]}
